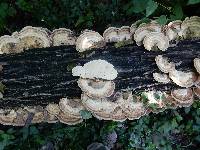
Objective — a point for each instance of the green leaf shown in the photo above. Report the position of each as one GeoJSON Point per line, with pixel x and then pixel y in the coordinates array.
{"type": "Point", "coordinates": [139, 6]}
{"type": "Point", "coordinates": [162, 20]}
{"type": "Point", "coordinates": [151, 7]}
{"type": "Point", "coordinates": [86, 114]}
{"type": "Point", "coordinates": [178, 12]}
{"type": "Point", "coordinates": [191, 2]}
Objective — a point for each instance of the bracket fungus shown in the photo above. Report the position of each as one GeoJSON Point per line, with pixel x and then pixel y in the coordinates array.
{"type": "Point", "coordinates": [190, 27]}
{"type": "Point", "coordinates": [66, 118]}
{"type": "Point", "coordinates": [162, 78]}
{"type": "Point", "coordinates": [71, 106]}
{"type": "Point", "coordinates": [33, 37]}
{"type": "Point", "coordinates": [197, 64]}
{"type": "Point", "coordinates": [154, 40]}
{"type": "Point", "coordinates": [172, 29]}
{"type": "Point", "coordinates": [7, 116]}
{"type": "Point", "coordinates": [183, 79]}
{"type": "Point", "coordinates": [62, 36]}
{"type": "Point", "coordinates": [144, 29]}
{"type": "Point", "coordinates": [88, 40]}
{"type": "Point", "coordinates": [113, 34]}
{"type": "Point", "coordinates": [184, 97]}
{"type": "Point", "coordinates": [97, 88]}
{"type": "Point", "coordinates": [196, 91]}
{"type": "Point", "coordinates": [9, 44]}
{"type": "Point", "coordinates": [96, 69]}
{"type": "Point", "coordinates": [163, 64]}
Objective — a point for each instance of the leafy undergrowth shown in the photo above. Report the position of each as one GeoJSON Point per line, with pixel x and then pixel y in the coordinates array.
{"type": "Point", "coordinates": [172, 129]}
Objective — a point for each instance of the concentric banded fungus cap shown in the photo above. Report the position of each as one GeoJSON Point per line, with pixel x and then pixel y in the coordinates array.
{"type": "Point", "coordinates": [173, 28]}
{"type": "Point", "coordinates": [190, 28]}
{"type": "Point", "coordinates": [96, 69]}
{"type": "Point", "coordinates": [183, 79]}
{"type": "Point", "coordinates": [145, 29]}
{"type": "Point", "coordinates": [71, 106]}
{"type": "Point", "coordinates": [7, 116]}
{"type": "Point", "coordinates": [197, 91]}
{"type": "Point", "coordinates": [163, 64]}
{"type": "Point", "coordinates": [38, 113]}
{"type": "Point", "coordinates": [33, 37]}
{"type": "Point", "coordinates": [124, 33]}
{"type": "Point", "coordinates": [20, 119]}
{"type": "Point", "coordinates": [88, 40]}
{"type": "Point", "coordinates": [118, 114]}
{"type": "Point", "coordinates": [102, 116]}
{"type": "Point", "coordinates": [53, 109]}
{"type": "Point", "coordinates": [102, 106]}
{"type": "Point", "coordinates": [8, 44]}
{"type": "Point", "coordinates": [111, 35]}
{"type": "Point", "coordinates": [63, 36]}
{"type": "Point", "coordinates": [96, 89]}
{"type": "Point", "coordinates": [163, 78]}
{"type": "Point", "coordinates": [133, 110]}
{"type": "Point", "coordinates": [68, 119]}
{"type": "Point", "coordinates": [197, 64]}
{"type": "Point", "coordinates": [184, 97]}
{"type": "Point", "coordinates": [155, 40]}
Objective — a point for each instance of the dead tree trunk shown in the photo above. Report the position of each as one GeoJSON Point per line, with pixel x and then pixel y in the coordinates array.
{"type": "Point", "coordinates": [41, 76]}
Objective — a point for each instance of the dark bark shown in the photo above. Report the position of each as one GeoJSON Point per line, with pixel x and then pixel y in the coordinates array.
{"type": "Point", "coordinates": [41, 76]}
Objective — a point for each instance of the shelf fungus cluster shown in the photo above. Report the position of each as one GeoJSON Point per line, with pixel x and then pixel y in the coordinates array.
{"type": "Point", "coordinates": [187, 81]}
{"type": "Point", "coordinates": [35, 37]}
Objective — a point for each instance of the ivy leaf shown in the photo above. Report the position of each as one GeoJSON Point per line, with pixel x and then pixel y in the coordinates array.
{"type": "Point", "coordinates": [151, 7]}
{"type": "Point", "coordinates": [86, 114]}
{"type": "Point", "coordinates": [162, 20]}
{"type": "Point", "coordinates": [191, 2]}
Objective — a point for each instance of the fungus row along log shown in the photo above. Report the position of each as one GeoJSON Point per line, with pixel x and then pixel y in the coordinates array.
{"type": "Point", "coordinates": [43, 76]}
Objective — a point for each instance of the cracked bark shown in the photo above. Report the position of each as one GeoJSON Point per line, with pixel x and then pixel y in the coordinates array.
{"type": "Point", "coordinates": [41, 76]}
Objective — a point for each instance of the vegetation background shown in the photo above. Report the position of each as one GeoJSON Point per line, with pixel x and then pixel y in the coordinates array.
{"type": "Point", "coordinates": [172, 129]}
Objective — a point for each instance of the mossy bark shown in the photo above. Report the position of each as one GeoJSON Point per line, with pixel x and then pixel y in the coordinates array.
{"type": "Point", "coordinates": [41, 76]}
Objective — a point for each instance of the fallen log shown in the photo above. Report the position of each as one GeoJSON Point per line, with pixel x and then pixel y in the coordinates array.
{"type": "Point", "coordinates": [38, 77]}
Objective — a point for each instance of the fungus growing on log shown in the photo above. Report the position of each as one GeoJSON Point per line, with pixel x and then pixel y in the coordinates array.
{"type": "Point", "coordinates": [197, 91]}
{"type": "Point", "coordinates": [154, 40]}
{"type": "Point", "coordinates": [173, 29]}
{"type": "Point", "coordinates": [145, 29]}
{"type": "Point", "coordinates": [71, 106]}
{"type": "Point", "coordinates": [63, 36]}
{"type": "Point", "coordinates": [88, 40]}
{"type": "Point", "coordinates": [163, 78]}
{"type": "Point", "coordinates": [183, 97]}
{"type": "Point", "coordinates": [197, 64]}
{"type": "Point", "coordinates": [183, 79]}
{"type": "Point", "coordinates": [33, 37]}
{"type": "Point", "coordinates": [68, 119]}
{"type": "Point", "coordinates": [9, 44]}
{"type": "Point", "coordinates": [190, 27]}
{"type": "Point", "coordinates": [111, 35]}
{"type": "Point", "coordinates": [7, 116]}
{"type": "Point", "coordinates": [163, 64]}
{"type": "Point", "coordinates": [96, 88]}
{"type": "Point", "coordinates": [96, 69]}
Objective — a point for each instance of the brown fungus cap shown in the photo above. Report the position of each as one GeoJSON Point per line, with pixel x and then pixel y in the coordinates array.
{"type": "Point", "coordinates": [7, 116]}
{"type": "Point", "coordinates": [184, 97]}
{"type": "Point", "coordinates": [9, 44]}
{"type": "Point", "coordinates": [162, 78]}
{"type": "Point", "coordinates": [96, 88]}
{"type": "Point", "coordinates": [53, 109]}
{"type": "Point", "coordinates": [68, 119]}
{"type": "Point", "coordinates": [63, 36]}
{"type": "Point", "coordinates": [163, 64]}
{"type": "Point", "coordinates": [173, 29]}
{"type": "Point", "coordinates": [154, 40]}
{"type": "Point", "coordinates": [197, 91]}
{"type": "Point", "coordinates": [111, 34]}
{"type": "Point", "coordinates": [71, 106]}
{"type": "Point", "coordinates": [88, 40]}
{"type": "Point", "coordinates": [183, 79]}
{"type": "Point", "coordinates": [33, 37]}
{"type": "Point", "coordinates": [197, 64]}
